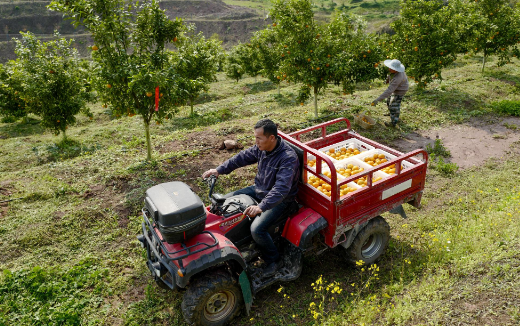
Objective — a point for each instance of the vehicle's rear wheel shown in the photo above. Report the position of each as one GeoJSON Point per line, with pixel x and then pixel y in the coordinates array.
{"type": "Point", "coordinates": [371, 242]}
{"type": "Point", "coordinates": [212, 300]}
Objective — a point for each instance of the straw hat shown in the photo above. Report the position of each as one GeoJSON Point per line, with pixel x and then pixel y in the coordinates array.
{"type": "Point", "coordinates": [394, 65]}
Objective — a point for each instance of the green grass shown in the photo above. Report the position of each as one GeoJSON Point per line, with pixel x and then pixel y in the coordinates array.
{"type": "Point", "coordinates": [80, 209]}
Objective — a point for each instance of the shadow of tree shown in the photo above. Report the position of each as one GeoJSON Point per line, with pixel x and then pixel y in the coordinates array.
{"type": "Point", "coordinates": [259, 87]}
{"type": "Point", "coordinates": [457, 106]}
{"type": "Point", "coordinates": [504, 77]}
{"type": "Point", "coordinates": [21, 129]}
{"type": "Point", "coordinates": [198, 120]}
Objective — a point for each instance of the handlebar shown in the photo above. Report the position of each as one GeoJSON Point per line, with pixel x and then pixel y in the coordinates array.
{"type": "Point", "coordinates": [212, 180]}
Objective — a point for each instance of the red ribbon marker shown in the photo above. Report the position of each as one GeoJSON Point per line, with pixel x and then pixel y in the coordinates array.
{"type": "Point", "coordinates": [157, 98]}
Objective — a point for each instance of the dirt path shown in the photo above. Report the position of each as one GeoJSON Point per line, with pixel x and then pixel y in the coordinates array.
{"type": "Point", "coordinates": [471, 143]}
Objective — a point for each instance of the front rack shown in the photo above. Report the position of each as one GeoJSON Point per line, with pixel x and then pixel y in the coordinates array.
{"type": "Point", "coordinates": [148, 225]}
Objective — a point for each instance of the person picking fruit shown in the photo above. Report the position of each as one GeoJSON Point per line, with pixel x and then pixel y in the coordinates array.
{"type": "Point", "coordinates": [394, 94]}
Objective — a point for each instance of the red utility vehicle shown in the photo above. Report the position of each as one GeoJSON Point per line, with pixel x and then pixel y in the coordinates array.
{"type": "Point", "coordinates": [210, 251]}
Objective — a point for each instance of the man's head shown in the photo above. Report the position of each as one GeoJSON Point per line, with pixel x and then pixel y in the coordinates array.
{"type": "Point", "coordinates": [265, 134]}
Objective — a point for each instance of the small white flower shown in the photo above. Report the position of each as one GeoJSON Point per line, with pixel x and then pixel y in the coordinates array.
{"type": "Point", "coordinates": [449, 241]}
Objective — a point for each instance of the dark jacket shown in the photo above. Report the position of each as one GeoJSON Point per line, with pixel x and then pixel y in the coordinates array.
{"type": "Point", "coordinates": [277, 177]}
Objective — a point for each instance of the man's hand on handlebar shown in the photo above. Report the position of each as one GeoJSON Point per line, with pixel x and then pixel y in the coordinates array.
{"type": "Point", "coordinates": [209, 173]}
{"type": "Point", "coordinates": [253, 211]}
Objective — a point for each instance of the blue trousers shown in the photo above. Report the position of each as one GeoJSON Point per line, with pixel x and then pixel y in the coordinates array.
{"type": "Point", "coordinates": [261, 224]}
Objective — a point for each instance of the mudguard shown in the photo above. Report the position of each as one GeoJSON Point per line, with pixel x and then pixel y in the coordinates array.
{"type": "Point", "coordinates": [225, 250]}
{"type": "Point", "coordinates": [302, 227]}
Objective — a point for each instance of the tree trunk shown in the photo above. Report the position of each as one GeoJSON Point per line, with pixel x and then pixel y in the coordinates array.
{"type": "Point", "coordinates": [148, 144]}
{"type": "Point", "coordinates": [483, 62]}
{"type": "Point", "coordinates": [191, 104]}
{"type": "Point", "coordinates": [64, 136]}
{"type": "Point", "coordinates": [278, 88]}
{"type": "Point", "coordinates": [315, 101]}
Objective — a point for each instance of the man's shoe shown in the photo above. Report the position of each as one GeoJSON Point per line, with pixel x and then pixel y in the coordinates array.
{"type": "Point", "coordinates": [386, 114]}
{"type": "Point", "coordinates": [272, 268]}
{"type": "Point", "coordinates": [390, 124]}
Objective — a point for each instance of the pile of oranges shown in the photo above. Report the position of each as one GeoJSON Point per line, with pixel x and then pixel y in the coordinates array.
{"type": "Point", "coordinates": [390, 169]}
{"type": "Point", "coordinates": [345, 189]}
{"type": "Point", "coordinates": [350, 169]}
{"type": "Point", "coordinates": [340, 154]}
{"type": "Point", "coordinates": [375, 159]}
{"type": "Point", "coordinates": [319, 184]}
{"type": "Point", "coordinates": [325, 188]}
{"type": "Point", "coordinates": [365, 120]}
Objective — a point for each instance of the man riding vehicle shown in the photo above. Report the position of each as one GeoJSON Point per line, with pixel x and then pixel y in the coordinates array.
{"type": "Point", "coordinates": [275, 188]}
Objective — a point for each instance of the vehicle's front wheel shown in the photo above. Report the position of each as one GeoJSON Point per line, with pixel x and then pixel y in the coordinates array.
{"type": "Point", "coordinates": [212, 300]}
{"type": "Point", "coordinates": [371, 242]}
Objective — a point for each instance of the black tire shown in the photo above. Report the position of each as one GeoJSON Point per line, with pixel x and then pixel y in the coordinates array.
{"type": "Point", "coordinates": [202, 302]}
{"type": "Point", "coordinates": [371, 242]}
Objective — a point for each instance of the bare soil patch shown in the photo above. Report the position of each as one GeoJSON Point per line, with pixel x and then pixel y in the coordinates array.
{"type": "Point", "coordinates": [471, 143]}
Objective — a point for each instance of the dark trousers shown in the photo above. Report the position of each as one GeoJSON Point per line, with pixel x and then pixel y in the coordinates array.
{"type": "Point", "coordinates": [394, 106]}
{"type": "Point", "coordinates": [261, 224]}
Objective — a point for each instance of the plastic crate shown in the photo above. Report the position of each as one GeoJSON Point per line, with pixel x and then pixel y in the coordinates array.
{"type": "Point", "coordinates": [352, 143]}
{"type": "Point", "coordinates": [340, 178]}
{"type": "Point", "coordinates": [404, 164]}
{"type": "Point", "coordinates": [356, 162]}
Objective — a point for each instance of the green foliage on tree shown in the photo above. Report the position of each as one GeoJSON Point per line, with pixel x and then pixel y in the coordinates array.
{"type": "Point", "coordinates": [358, 53]}
{"type": "Point", "coordinates": [249, 59]}
{"type": "Point", "coordinates": [428, 38]}
{"type": "Point", "coordinates": [233, 65]}
{"type": "Point", "coordinates": [55, 84]}
{"type": "Point", "coordinates": [496, 28]}
{"type": "Point", "coordinates": [130, 50]}
{"type": "Point", "coordinates": [12, 105]}
{"type": "Point", "coordinates": [339, 52]}
{"type": "Point", "coordinates": [269, 54]}
{"type": "Point", "coordinates": [197, 62]}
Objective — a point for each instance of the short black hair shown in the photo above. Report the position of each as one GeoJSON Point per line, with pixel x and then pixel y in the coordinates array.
{"type": "Point", "coordinates": [269, 127]}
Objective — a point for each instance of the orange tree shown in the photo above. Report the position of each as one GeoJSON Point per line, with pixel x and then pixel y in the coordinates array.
{"type": "Point", "coordinates": [12, 105]}
{"type": "Point", "coordinates": [54, 81]}
{"type": "Point", "coordinates": [339, 52]}
{"type": "Point", "coordinates": [429, 35]}
{"type": "Point", "coordinates": [233, 66]}
{"type": "Point", "coordinates": [249, 59]}
{"type": "Point", "coordinates": [130, 50]}
{"type": "Point", "coordinates": [197, 61]}
{"type": "Point", "coordinates": [269, 54]}
{"type": "Point", "coordinates": [496, 26]}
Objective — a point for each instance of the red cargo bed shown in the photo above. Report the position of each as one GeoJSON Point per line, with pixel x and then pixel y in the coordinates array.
{"type": "Point", "coordinates": [344, 212]}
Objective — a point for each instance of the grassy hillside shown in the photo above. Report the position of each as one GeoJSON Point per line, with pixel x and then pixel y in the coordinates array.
{"type": "Point", "coordinates": [69, 249]}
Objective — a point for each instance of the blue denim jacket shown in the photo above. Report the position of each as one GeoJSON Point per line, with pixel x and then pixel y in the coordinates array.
{"type": "Point", "coordinates": [277, 177]}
